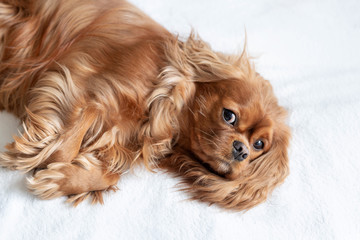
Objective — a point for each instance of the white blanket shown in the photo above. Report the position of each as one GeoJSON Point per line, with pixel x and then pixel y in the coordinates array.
{"type": "Point", "coordinates": [310, 51]}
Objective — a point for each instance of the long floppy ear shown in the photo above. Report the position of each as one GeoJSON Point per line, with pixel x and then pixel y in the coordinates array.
{"type": "Point", "coordinates": [271, 169]}
{"type": "Point", "coordinates": [172, 93]}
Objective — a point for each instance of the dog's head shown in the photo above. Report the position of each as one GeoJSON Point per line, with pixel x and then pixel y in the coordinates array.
{"type": "Point", "coordinates": [231, 147]}
{"type": "Point", "coordinates": [233, 117]}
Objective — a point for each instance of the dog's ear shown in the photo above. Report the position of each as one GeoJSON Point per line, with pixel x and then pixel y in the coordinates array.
{"type": "Point", "coordinates": [172, 93]}
{"type": "Point", "coordinates": [174, 88]}
{"type": "Point", "coordinates": [271, 169]}
{"type": "Point", "coordinates": [196, 57]}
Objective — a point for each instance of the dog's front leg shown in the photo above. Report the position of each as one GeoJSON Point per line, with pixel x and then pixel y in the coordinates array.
{"type": "Point", "coordinates": [84, 177]}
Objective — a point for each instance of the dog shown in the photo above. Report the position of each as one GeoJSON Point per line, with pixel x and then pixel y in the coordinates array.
{"type": "Point", "coordinates": [100, 87]}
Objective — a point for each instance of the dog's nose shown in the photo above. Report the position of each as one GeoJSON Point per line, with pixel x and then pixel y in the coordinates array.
{"type": "Point", "coordinates": [240, 151]}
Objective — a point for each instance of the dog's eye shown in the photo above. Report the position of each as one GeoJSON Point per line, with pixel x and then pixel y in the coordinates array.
{"type": "Point", "coordinates": [229, 116]}
{"type": "Point", "coordinates": [258, 144]}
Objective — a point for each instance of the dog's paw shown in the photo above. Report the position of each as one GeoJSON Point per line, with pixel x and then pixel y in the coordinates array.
{"type": "Point", "coordinates": [63, 179]}
{"type": "Point", "coordinates": [46, 183]}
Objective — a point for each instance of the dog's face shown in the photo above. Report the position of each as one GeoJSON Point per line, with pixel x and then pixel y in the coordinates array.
{"type": "Point", "coordinates": [232, 125]}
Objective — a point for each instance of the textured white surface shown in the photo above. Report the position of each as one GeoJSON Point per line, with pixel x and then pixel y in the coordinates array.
{"type": "Point", "coordinates": [310, 52]}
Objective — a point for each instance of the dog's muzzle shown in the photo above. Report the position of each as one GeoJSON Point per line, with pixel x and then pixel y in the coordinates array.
{"type": "Point", "coordinates": [240, 151]}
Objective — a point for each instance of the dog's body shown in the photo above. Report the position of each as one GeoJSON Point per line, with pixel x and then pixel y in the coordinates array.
{"type": "Point", "coordinates": [101, 87]}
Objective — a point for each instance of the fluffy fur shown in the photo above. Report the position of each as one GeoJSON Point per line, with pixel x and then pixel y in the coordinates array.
{"type": "Point", "coordinates": [101, 87]}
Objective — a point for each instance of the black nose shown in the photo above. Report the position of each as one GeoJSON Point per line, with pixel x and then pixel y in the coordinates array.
{"type": "Point", "coordinates": [240, 151]}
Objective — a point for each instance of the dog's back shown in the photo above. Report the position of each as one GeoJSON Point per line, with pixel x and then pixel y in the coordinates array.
{"type": "Point", "coordinates": [37, 36]}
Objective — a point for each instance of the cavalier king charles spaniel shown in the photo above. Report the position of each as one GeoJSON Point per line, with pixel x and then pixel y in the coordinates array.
{"type": "Point", "coordinates": [100, 88]}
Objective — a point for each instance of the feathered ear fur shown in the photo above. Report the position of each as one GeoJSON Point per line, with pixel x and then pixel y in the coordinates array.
{"type": "Point", "coordinates": [173, 91]}
{"type": "Point", "coordinates": [207, 65]}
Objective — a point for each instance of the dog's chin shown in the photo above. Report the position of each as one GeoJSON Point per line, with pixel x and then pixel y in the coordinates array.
{"type": "Point", "coordinates": [218, 167]}
{"type": "Point", "coordinates": [225, 168]}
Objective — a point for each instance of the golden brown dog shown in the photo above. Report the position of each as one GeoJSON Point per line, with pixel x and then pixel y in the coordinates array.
{"type": "Point", "coordinates": [101, 87]}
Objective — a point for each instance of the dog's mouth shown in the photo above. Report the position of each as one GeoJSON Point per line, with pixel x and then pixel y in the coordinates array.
{"type": "Point", "coordinates": [214, 165]}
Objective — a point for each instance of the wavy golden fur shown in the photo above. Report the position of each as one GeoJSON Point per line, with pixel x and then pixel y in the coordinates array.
{"type": "Point", "coordinates": [101, 87]}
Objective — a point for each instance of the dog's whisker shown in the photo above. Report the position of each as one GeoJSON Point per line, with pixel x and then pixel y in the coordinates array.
{"type": "Point", "coordinates": [206, 133]}
{"type": "Point", "coordinates": [214, 133]}
{"type": "Point", "coordinates": [211, 141]}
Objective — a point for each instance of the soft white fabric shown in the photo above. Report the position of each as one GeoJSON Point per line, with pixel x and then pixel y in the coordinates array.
{"type": "Point", "coordinates": [310, 52]}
